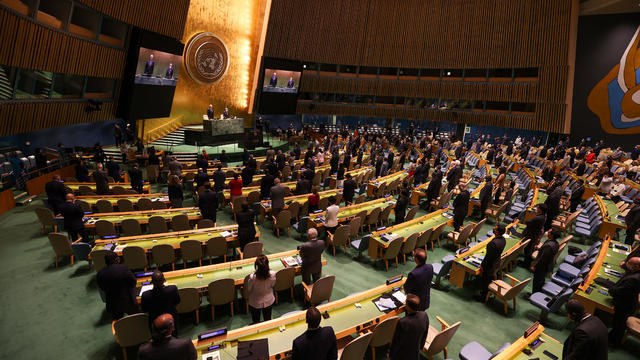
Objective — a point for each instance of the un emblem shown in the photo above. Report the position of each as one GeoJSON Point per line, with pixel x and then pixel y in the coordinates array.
{"type": "Point", "coordinates": [206, 58]}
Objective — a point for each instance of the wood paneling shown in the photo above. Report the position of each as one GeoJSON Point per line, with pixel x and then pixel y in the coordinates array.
{"type": "Point", "coordinates": [437, 34]}
{"type": "Point", "coordinates": [36, 185]}
{"type": "Point", "coordinates": [16, 118]}
{"type": "Point", "coordinates": [165, 17]}
{"type": "Point", "coordinates": [34, 46]}
{"type": "Point", "coordinates": [6, 201]}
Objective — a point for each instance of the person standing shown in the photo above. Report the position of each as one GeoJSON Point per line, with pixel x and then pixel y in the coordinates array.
{"type": "Point", "coordinates": [401, 206]}
{"type": "Point", "coordinates": [113, 169]}
{"type": "Point", "coordinates": [277, 194]}
{"type": "Point", "coordinates": [588, 340]}
{"type": "Point", "coordinates": [235, 186]}
{"type": "Point", "coordinates": [135, 176]}
{"type": "Point", "coordinates": [533, 231]}
{"type": "Point", "coordinates": [73, 215]}
{"type": "Point", "coordinates": [118, 284]}
{"type": "Point", "coordinates": [331, 216]}
{"type": "Point", "coordinates": [176, 195]}
{"type": "Point", "coordinates": [56, 193]}
{"type": "Point", "coordinates": [411, 332]}
{"type": "Point", "coordinates": [117, 134]}
{"type": "Point", "coordinates": [175, 167]}
{"type": "Point", "coordinates": [200, 178]}
{"type": "Point", "coordinates": [576, 196]}
{"type": "Point", "coordinates": [625, 299]}
{"type": "Point", "coordinates": [247, 175]}
{"type": "Point", "coordinates": [260, 288]}
{"type": "Point", "coordinates": [485, 195]}
{"type": "Point", "coordinates": [349, 189]}
{"type": "Point", "coordinates": [219, 179]}
{"type": "Point", "coordinates": [313, 199]}
{"type": "Point", "coordinates": [164, 346]}
{"type": "Point", "coordinates": [311, 256]}
{"type": "Point", "coordinates": [246, 226]}
{"type": "Point", "coordinates": [460, 207]}
{"type": "Point", "coordinates": [161, 299]}
{"type": "Point", "coordinates": [545, 260]}
{"type": "Point", "coordinates": [317, 343]}
{"type": "Point", "coordinates": [266, 183]}
{"type": "Point", "coordinates": [491, 261]}
{"type": "Point", "coordinates": [454, 175]}
{"type": "Point", "coordinates": [210, 112]}
{"type": "Point", "coordinates": [82, 173]}
{"type": "Point", "coordinates": [102, 184]}
{"type": "Point", "coordinates": [419, 279]}
{"type": "Point", "coordinates": [208, 203]}
{"type": "Point", "coordinates": [633, 222]}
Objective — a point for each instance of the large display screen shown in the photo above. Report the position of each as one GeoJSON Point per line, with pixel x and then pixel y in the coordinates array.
{"type": "Point", "coordinates": [279, 86]}
{"type": "Point", "coordinates": [281, 81]}
{"type": "Point", "coordinates": [151, 74]}
{"type": "Point", "coordinates": [156, 67]}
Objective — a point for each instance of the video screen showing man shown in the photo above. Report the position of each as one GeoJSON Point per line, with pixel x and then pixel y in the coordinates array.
{"type": "Point", "coordinates": [157, 68]}
{"type": "Point", "coordinates": [281, 81]}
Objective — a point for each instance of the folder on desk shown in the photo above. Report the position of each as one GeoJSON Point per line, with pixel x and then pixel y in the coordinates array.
{"type": "Point", "coordinates": [253, 350]}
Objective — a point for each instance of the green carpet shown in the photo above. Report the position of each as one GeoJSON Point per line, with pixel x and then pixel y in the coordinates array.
{"type": "Point", "coordinates": [57, 313]}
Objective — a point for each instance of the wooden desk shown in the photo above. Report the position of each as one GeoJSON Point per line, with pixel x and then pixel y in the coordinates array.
{"type": "Point", "coordinates": [610, 256]}
{"type": "Point", "coordinates": [547, 343]}
{"type": "Point", "coordinates": [247, 190]}
{"type": "Point", "coordinates": [113, 199]}
{"type": "Point", "coordinates": [348, 212]}
{"type": "Point", "coordinates": [75, 186]}
{"type": "Point", "coordinates": [373, 185]}
{"type": "Point", "coordinates": [142, 216]}
{"type": "Point", "coordinates": [377, 244]}
{"type": "Point", "coordinates": [344, 318]}
{"type": "Point", "coordinates": [462, 266]}
{"type": "Point", "coordinates": [266, 209]}
{"type": "Point", "coordinates": [610, 223]}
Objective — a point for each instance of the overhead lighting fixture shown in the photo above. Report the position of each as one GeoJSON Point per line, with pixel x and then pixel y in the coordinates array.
{"type": "Point", "coordinates": [448, 73]}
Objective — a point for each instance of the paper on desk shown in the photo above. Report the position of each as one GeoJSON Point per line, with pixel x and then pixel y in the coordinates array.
{"type": "Point", "coordinates": [145, 288]}
{"type": "Point", "coordinates": [385, 303]}
{"type": "Point", "coordinates": [120, 247]}
{"type": "Point", "coordinates": [400, 296]}
{"type": "Point", "coordinates": [226, 234]}
{"type": "Point", "coordinates": [211, 356]}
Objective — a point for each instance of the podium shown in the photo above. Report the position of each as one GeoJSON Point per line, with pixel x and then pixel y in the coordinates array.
{"type": "Point", "coordinates": [216, 132]}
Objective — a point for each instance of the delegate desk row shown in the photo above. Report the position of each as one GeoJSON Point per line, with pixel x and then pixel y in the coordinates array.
{"type": "Point", "coordinates": [90, 187]}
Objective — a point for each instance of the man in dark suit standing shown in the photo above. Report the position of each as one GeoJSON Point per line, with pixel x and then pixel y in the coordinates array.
{"type": "Point", "coordinates": [290, 83]}
{"type": "Point", "coordinates": [164, 345]}
{"type": "Point", "coordinates": [303, 186]}
{"type": "Point", "coordinates": [317, 343]}
{"type": "Point", "coordinates": [102, 184]}
{"type": "Point", "coordinates": [148, 66]}
{"type": "Point", "coordinates": [277, 194]}
{"type": "Point", "coordinates": [219, 179]}
{"type": "Point", "coordinates": [491, 262]}
{"type": "Point", "coordinates": [553, 206]}
{"type": "Point", "coordinates": [169, 73]}
{"type": "Point", "coordinates": [161, 299]}
{"type": "Point", "coordinates": [411, 332]}
{"type": "Point", "coordinates": [485, 195]}
{"type": "Point", "coordinates": [533, 231]}
{"type": "Point", "coordinates": [274, 80]}
{"type": "Point", "coordinates": [210, 113]}
{"type": "Point", "coordinates": [420, 174]}
{"type": "Point", "coordinates": [247, 175]}
{"type": "Point", "coordinates": [311, 255]}
{"type": "Point", "coordinates": [113, 169]}
{"type": "Point", "coordinates": [419, 279]}
{"type": "Point", "coordinates": [588, 340]}
{"type": "Point", "coordinates": [118, 283]}
{"type": "Point", "coordinates": [56, 193]}
{"type": "Point", "coordinates": [544, 261]}
{"type": "Point", "coordinates": [625, 299]}
{"type": "Point", "coordinates": [266, 184]}
{"type": "Point", "coordinates": [460, 207]}
{"type": "Point", "coordinates": [576, 196]}
{"type": "Point", "coordinates": [201, 178]}
{"type": "Point", "coordinates": [349, 189]}
{"type": "Point", "coordinates": [433, 189]}
{"type": "Point", "coordinates": [135, 176]}
{"type": "Point", "coordinates": [73, 223]}
{"type": "Point", "coordinates": [401, 206]}
{"type": "Point", "coordinates": [633, 221]}
{"type": "Point", "coordinates": [454, 175]}
{"type": "Point", "coordinates": [208, 203]}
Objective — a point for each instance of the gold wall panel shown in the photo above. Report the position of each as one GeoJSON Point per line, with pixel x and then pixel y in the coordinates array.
{"type": "Point", "coordinates": [238, 23]}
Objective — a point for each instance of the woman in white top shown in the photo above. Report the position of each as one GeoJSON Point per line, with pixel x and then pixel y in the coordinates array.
{"type": "Point", "coordinates": [331, 215]}
{"type": "Point", "coordinates": [260, 287]}
{"type": "Point", "coordinates": [606, 184]}
{"type": "Point", "coordinates": [320, 156]}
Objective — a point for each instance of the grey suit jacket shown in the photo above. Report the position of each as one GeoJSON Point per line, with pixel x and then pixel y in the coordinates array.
{"type": "Point", "coordinates": [278, 193]}
{"type": "Point", "coordinates": [311, 255]}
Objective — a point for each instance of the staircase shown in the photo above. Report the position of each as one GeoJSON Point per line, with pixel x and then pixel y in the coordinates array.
{"type": "Point", "coordinates": [23, 198]}
{"type": "Point", "coordinates": [6, 90]}
{"type": "Point", "coordinates": [171, 139]}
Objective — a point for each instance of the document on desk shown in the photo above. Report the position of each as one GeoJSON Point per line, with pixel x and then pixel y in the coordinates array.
{"type": "Point", "coordinates": [119, 248]}
{"type": "Point", "coordinates": [400, 296]}
{"type": "Point", "coordinates": [226, 233]}
{"type": "Point", "coordinates": [384, 304]}
{"type": "Point", "coordinates": [211, 356]}
{"type": "Point", "coordinates": [145, 288]}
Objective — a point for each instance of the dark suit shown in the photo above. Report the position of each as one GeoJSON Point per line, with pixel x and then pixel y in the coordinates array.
{"type": "Point", "coordinates": [277, 194]}
{"type": "Point", "coordinates": [576, 197]}
{"type": "Point", "coordinates": [135, 176]}
{"type": "Point", "coordinates": [303, 186]}
{"type": "Point", "coordinates": [315, 344]}
{"type": "Point", "coordinates": [246, 227]}
{"type": "Point", "coordinates": [169, 73]}
{"type": "Point", "coordinates": [210, 114]}
{"type": "Point", "coordinates": [453, 177]}
{"type": "Point", "coordinates": [160, 301]}
{"type": "Point", "coordinates": [401, 209]}
{"type": "Point", "coordinates": [56, 194]}
{"type": "Point", "coordinates": [491, 262]}
{"type": "Point", "coordinates": [208, 204]}
{"type": "Point", "coordinates": [544, 263]}
{"type": "Point", "coordinates": [113, 170]}
{"type": "Point", "coordinates": [349, 190]}
{"type": "Point", "coordinates": [82, 173]}
{"type": "Point", "coordinates": [419, 283]}
{"type": "Point", "coordinates": [625, 300]}
{"type": "Point", "coordinates": [219, 179]}
{"type": "Point", "coordinates": [587, 341]}
{"type": "Point", "coordinates": [311, 255]}
{"type": "Point", "coordinates": [201, 178]}
{"type": "Point", "coordinates": [73, 223]}
{"type": "Point", "coordinates": [171, 349]}
{"type": "Point", "coordinates": [460, 208]}
{"type": "Point", "coordinates": [633, 224]}
{"type": "Point", "coordinates": [274, 81]}
{"type": "Point", "coordinates": [102, 184]}
{"type": "Point", "coordinates": [533, 231]}
{"type": "Point", "coordinates": [485, 197]}
{"type": "Point", "coordinates": [433, 189]}
{"type": "Point", "coordinates": [117, 282]}
{"type": "Point", "coordinates": [247, 175]}
{"type": "Point", "coordinates": [265, 185]}
{"type": "Point", "coordinates": [409, 336]}
{"type": "Point", "coordinates": [148, 67]}
{"type": "Point", "coordinates": [553, 206]}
